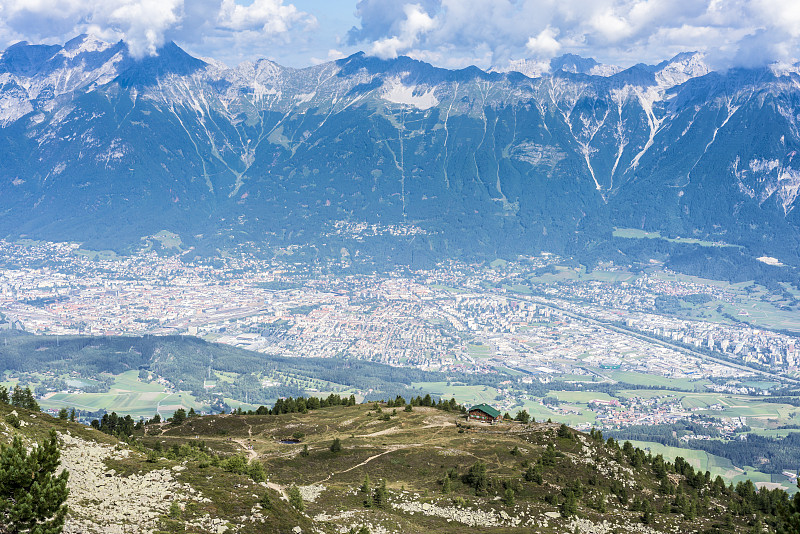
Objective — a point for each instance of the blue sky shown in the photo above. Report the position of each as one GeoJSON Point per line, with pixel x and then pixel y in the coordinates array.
{"type": "Point", "coordinates": [449, 33]}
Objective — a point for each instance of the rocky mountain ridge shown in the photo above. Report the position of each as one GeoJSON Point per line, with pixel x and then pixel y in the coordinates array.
{"type": "Point", "coordinates": [474, 161]}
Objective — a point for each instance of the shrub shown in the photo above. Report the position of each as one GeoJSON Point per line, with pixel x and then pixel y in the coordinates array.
{"type": "Point", "coordinates": [13, 420]}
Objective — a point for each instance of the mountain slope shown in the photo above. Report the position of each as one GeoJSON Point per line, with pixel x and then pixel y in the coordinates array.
{"type": "Point", "coordinates": [101, 148]}
{"type": "Point", "coordinates": [425, 470]}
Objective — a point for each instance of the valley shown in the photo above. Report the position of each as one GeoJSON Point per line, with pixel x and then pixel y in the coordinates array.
{"type": "Point", "coordinates": [616, 348]}
{"type": "Point", "coordinates": [259, 298]}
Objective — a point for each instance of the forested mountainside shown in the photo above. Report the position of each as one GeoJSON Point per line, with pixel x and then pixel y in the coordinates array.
{"type": "Point", "coordinates": [101, 148]}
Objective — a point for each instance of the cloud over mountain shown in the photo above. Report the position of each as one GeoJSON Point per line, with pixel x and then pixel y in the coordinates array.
{"type": "Point", "coordinates": [730, 32]}
{"type": "Point", "coordinates": [145, 25]}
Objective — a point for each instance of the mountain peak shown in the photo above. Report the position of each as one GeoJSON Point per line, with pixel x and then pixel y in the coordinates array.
{"type": "Point", "coordinates": [680, 69]}
{"type": "Point", "coordinates": [169, 59]}
{"type": "Point", "coordinates": [26, 59]}
{"type": "Point", "coordinates": [569, 63]}
{"type": "Point", "coordinates": [84, 44]}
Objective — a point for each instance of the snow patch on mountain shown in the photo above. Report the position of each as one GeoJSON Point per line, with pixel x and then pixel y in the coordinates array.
{"type": "Point", "coordinates": [535, 68]}
{"type": "Point", "coordinates": [605, 70]}
{"type": "Point", "coordinates": [531, 68]}
{"type": "Point", "coordinates": [766, 177]}
{"type": "Point", "coordinates": [82, 45]}
{"type": "Point", "coordinates": [681, 69]}
{"type": "Point", "coordinates": [395, 91]}
{"type": "Point", "coordinates": [14, 100]}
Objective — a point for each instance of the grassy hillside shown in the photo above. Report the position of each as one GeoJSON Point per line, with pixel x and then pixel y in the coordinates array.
{"type": "Point", "coordinates": [119, 487]}
{"type": "Point", "coordinates": [427, 470]}
{"type": "Point", "coordinates": [431, 471]}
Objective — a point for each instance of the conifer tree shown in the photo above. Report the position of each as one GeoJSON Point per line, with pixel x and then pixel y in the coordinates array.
{"type": "Point", "coordinates": [508, 497]}
{"type": "Point", "coordinates": [31, 495]}
{"type": "Point", "coordinates": [447, 486]}
{"type": "Point", "coordinates": [380, 495]}
{"type": "Point", "coordinates": [23, 398]}
{"type": "Point", "coordinates": [295, 499]}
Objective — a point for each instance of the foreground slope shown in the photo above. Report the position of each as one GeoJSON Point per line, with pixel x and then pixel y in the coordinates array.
{"type": "Point", "coordinates": [427, 470]}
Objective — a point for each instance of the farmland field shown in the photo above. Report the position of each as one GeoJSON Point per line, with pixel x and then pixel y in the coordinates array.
{"type": "Point", "coordinates": [128, 396]}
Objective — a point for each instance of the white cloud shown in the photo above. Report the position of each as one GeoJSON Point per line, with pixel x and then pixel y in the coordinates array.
{"type": "Point", "coordinates": [544, 45]}
{"type": "Point", "coordinates": [729, 32]}
{"type": "Point", "coordinates": [141, 23]}
{"type": "Point", "coordinates": [145, 25]}
{"type": "Point", "coordinates": [268, 16]}
{"type": "Point", "coordinates": [416, 24]}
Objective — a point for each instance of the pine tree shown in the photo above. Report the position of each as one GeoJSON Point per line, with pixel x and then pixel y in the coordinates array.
{"type": "Point", "coordinates": [365, 488]}
{"type": "Point", "coordinates": [570, 505]}
{"type": "Point", "coordinates": [72, 415]}
{"type": "Point", "coordinates": [380, 495]}
{"type": "Point", "coordinates": [179, 417]}
{"type": "Point", "coordinates": [336, 446]}
{"type": "Point", "coordinates": [447, 486]}
{"type": "Point", "coordinates": [23, 398]}
{"type": "Point", "coordinates": [295, 499]}
{"type": "Point", "coordinates": [31, 496]}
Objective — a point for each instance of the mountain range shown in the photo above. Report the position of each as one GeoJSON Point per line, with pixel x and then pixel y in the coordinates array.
{"type": "Point", "coordinates": [102, 148]}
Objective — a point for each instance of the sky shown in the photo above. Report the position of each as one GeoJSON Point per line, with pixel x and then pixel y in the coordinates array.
{"type": "Point", "coordinates": [447, 33]}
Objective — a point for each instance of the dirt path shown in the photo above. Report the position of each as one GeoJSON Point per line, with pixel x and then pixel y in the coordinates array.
{"type": "Point", "coordinates": [251, 454]}
{"type": "Point", "coordinates": [279, 489]}
{"type": "Point", "coordinates": [397, 430]}
{"type": "Point", "coordinates": [365, 462]}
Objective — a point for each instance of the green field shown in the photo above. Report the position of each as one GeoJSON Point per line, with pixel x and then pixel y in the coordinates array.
{"type": "Point", "coordinates": [581, 397]}
{"type": "Point", "coordinates": [716, 465]}
{"type": "Point", "coordinates": [479, 351]}
{"type": "Point", "coordinates": [466, 395]}
{"type": "Point", "coordinates": [641, 379]}
{"type": "Point", "coordinates": [128, 396]}
{"type": "Point", "coordinates": [633, 233]}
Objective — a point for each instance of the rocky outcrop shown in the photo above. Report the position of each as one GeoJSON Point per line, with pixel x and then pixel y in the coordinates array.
{"type": "Point", "coordinates": [103, 502]}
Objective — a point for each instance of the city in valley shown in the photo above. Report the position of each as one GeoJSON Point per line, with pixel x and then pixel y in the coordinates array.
{"type": "Point", "coordinates": [613, 348]}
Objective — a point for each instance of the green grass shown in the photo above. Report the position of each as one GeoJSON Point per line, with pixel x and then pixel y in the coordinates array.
{"type": "Point", "coordinates": [466, 395]}
{"type": "Point", "coordinates": [704, 461]}
{"type": "Point", "coordinates": [642, 379]}
{"type": "Point", "coordinates": [128, 396]}
{"type": "Point", "coordinates": [168, 239]}
{"type": "Point", "coordinates": [581, 397]}
{"type": "Point", "coordinates": [498, 263]}
{"type": "Point", "coordinates": [633, 233]}
{"type": "Point", "coordinates": [518, 288]}
{"type": "Point", "coordinates": [479, 351]}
